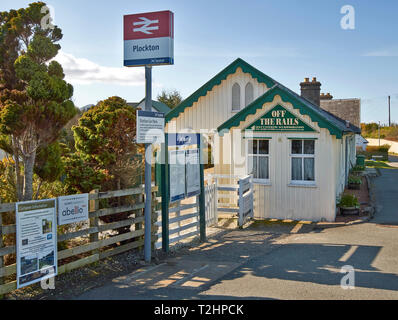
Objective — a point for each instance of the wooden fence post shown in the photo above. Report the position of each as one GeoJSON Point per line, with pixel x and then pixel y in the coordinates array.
{"type": "Point", "coordinates": [1, 246]}
{"type": "Point", "coordinates": [94, 206]}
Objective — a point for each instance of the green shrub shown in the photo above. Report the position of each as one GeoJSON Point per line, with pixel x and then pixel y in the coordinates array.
{"type": "Point", "coordinates": [349, 201]}
{"type": "Point", "coordinates": [358, 168]}
{"type": "Point", "coordinates": [354, 179]}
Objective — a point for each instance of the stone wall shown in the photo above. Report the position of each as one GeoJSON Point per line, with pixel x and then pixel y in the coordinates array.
{"type": "Point", "coordinates": [346, 109]}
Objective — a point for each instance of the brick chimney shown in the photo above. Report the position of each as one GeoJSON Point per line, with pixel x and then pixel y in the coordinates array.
{"type": "Point", "coordinates": [326, 96]}
{"type": "Point", "coordinates": [311, 90]}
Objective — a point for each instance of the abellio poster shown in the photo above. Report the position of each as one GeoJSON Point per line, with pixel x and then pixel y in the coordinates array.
{"type": "Point", "coordinates": [36, 241]}
{"type": "Point", "coordinates": [72, 208]}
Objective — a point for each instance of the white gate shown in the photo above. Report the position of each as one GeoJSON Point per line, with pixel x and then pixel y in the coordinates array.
{"type": "Point", "coordinates": [211, 201]}
{"type": "Point", "coordinates": [232, 195]}
{"type": "Point", "coordinates": [246, 200]}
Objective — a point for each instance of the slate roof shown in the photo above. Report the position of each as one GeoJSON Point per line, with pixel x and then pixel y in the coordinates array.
{"type": "Point", "coordinates": [336, 125]}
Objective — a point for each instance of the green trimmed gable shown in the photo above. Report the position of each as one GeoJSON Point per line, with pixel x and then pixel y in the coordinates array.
{"type": "Point", "coordinates": [208, 86]}
{"type": "Point", "coordinates": [286, 96]}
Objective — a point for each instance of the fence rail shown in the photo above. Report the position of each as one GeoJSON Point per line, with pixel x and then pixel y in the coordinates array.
{"type": "Point", "coordinates": [183, 221]}
{"type": "Point", "coordinates": [93, 243]}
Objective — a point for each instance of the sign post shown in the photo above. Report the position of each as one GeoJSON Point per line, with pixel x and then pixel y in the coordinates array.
{"type": "Point", "coordinates": [148, 170]}
{"type": "Point", "coordinates": [148, 41]}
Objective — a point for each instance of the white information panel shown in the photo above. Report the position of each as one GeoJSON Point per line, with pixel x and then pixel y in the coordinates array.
{"type": "Point", "coordinates": [177, 175]}
{"type": "Point", "coordinates": [150, 127]}
{"type": "Point", "coordinates": [192, 172]}
{"type": "Point", "coordinates": [72, 208]}
{"type": "Point", "coordinates": [36, 241]}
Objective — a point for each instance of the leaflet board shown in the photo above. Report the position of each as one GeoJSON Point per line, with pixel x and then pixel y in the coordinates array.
{"type": "Point", "coordinates": [36, 241]}
{"type": "Point", "coordinates": [149, 39]}
{"type": "Point", "coordinates": [72, 208]}
{"type": "Point", "coordinates": [177, 175]}
{"type": "Point", "coordinates": [150, 127]}
{"type": "Point", "coordinates": [192, 172]}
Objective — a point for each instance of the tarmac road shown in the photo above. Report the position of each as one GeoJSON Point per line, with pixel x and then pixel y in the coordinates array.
{"type": "Point", "coordinates": [274, 261]}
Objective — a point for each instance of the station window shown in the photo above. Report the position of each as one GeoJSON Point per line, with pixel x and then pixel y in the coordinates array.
{"type": "Point", "coordinates": [258, 159]}
{"type": "Point", "coordinates": [249, 95]}
{"type": "Point", "coordinates": [236, 97]}
{"type": "Point", "coordinates": [303, 161]}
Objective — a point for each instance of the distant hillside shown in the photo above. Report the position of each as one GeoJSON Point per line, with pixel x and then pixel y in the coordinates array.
{"type": "Point", "coordinates": [371, 130]}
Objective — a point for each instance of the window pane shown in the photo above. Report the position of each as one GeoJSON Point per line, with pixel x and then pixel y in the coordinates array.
{"type": "Point", "coordinates": [297, 146]}
{"type": "Point", "coordinates": [309, 169]}
{"type": "Point", "coordinates": [263, 168]}
{"type": "Point", "coordinates": [254, 147]}
{"type": "Point", "coordinates": [309, 146]}
{"type": "Point", "coordinates": [254, 171]}
{"type": "Point", "coordinates": [263, 146]}
{"type": "Point", "coordinates": [297, 172]}
{"type": "Point", "coordinates": [248, 94]}
{"type": "Point", "coordinates": [252, 166]}
{"type": "Point", "coordinates": [236, 97]}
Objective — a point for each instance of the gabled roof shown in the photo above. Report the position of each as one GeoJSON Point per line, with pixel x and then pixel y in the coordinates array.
{"type": "Point", "coordinates": [216, 80]}
{"type": "Point", "coordinates": [335, 125]}
{"type": "Point", "coordinates": [158, 106]}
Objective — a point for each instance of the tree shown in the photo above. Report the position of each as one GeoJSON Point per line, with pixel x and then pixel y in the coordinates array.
{"type": "Point", "coordinates": [105, 152]}
{"type": "Point", "coordinates": [35, 101]}
{"type": "Point", "coordinates": [170, 98]}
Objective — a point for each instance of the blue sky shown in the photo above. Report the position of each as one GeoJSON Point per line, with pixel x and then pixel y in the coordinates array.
{"type": "Point", "coordinates": [286, 39]}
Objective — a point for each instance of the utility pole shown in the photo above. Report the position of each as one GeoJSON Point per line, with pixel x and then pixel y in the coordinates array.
{"type": "Point", "coordinates": [389, 111]}
{"type": "Point", "coordinates": [379, 133]}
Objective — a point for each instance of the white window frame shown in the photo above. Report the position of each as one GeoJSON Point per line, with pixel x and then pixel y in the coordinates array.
{"type": "Point", "coordinates": [302, 156]}
{"type": "Point", "coordinates": [256, 180]}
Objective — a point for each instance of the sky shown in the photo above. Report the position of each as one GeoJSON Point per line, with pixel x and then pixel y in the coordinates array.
{"type": "Point", "coordinates": [286, 39]}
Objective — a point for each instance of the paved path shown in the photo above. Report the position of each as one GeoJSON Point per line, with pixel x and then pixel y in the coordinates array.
{"type": "Point", "coordinates": [386, 193]}
{"type": "Point", "coordinates": [279, 261]}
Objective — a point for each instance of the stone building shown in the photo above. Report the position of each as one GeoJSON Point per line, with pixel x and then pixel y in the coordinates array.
{"type": "Point", "coordinates": [347, 109]}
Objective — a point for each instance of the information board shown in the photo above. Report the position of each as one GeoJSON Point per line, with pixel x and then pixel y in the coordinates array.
{"type": "Point", "coordinates": [192, 172]}
{"type": "Point", "coordinates": [150, 127]}
{"type": "Point", "coordinates": [72, 208]}
{"type": "Point", "coordinates": [177, 175]}
{"type": "Point", "coordinates": [36, 223]}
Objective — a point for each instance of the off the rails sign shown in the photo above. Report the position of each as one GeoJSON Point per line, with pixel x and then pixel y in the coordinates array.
{"type": "Point", "coordinates": [149, 39]}
{"type": "Point", "coordinates": [279, 119]}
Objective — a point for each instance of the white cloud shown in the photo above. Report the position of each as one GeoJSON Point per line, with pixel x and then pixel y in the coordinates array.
{"type": "Point", "coordinates": [383, 53]}
{"type": "Point", "coordinates": [84, 71]}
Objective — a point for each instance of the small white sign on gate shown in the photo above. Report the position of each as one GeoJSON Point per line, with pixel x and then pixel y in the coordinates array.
{"type": "Point", "coordinates": [72, 208]}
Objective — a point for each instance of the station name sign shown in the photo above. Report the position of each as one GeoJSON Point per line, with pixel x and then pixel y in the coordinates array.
{"type": "Point", "coordinates": [149, 39]}
{"type": "Point", "coordinates": [281, 120]}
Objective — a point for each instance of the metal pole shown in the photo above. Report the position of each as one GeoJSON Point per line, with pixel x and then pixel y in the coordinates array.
{"type": "Point", "coordinates": [379, 133]}
{"type": "Point", "coordinates": [389, 111]}
{"type": "Point", "coordinates": [148, 170]}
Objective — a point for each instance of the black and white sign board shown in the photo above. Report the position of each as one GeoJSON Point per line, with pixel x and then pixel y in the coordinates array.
{"type": "Point", "coordinates": [36, 241]}
{"type": "Point", "coordinates": [72, 208]}
{"type": "Point", "coordinates": [150, 127]}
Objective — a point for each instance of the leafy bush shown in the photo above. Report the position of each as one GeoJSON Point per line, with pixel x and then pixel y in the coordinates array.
{"type": "Point", "coordinates": [383, 148]}
{"type": "Point", "coordinates": [358, 168]}
{"type": "Point", "coordinates": [354, 179]}
{"type": "Point", "coordinates": [349, 201]}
